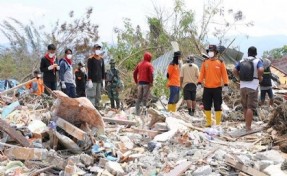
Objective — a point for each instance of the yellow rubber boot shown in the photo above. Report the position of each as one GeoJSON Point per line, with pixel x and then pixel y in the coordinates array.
{"type": "Point", "coordinates": [218, 117]}
{"type": "Point", "coordinates": [208, 118]}
{"type": "Point", "coordinates": [169, 107]}
{"type": "Point", "coordinates": [173, 107]}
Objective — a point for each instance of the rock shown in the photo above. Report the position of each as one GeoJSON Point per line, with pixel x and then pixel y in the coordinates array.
{"type": "Point", "coordinates": [175, 124]}
{"type": "Point", "coordinates": [127, 142]}
{"type": "Point", "coordinates": [191, 152]}
{"type": "Point", "coordinates": [219, 155]}
{"type": "Point", "coordinates": [102, 162]}
{"type": "Point", "coordinates": [165, 136]}
{"type": "Point", "coordinates": [172, 156]}
{"type": "Point", "coordinates": [283, 147]}
{"type": "Point", "coordinates": [203, 170]}
{"type": "Point", "coordinates": [197, 155]}
{"type": "Point", "coordinates": [274, 170]}
{"type": "Point", "coordinates": [114, 168]}
{"type": "Point", "coordinates": [284, 165]}
{"type": "Point", "coordinates": [261, 165]}
{"type": "Point", "coordinates": [87, 159]}
{"type": "Point", "coordinates": [160, 127]}
{"type": "Point", "coordinates": [272, 155]}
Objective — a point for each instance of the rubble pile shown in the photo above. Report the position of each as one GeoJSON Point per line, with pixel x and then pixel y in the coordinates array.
{"type": "Point", "coordinates": [45, 135]}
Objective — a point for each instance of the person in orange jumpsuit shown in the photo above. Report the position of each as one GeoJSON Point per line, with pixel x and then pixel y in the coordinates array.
{"type": "Point", "coordinates": [213, 73]}
{"type": "Point", "coordinates": [173, 76]}
{"type": "Point", "coordinates": [37, 86]}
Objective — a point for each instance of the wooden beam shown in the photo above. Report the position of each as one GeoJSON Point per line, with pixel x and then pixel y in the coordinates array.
{"type": "Point", "coordinates": [4, 126]}
{"type": "Point", "coordinates": [179, 169]}
{"type": "Point", "coordinates": [120, 122]}
{"type": "Point", "coordinates": [149, 133]}
{"type": "Point", "coordinates": [242, 167]}
{"type": "Point", "coordinates": [71, 129]}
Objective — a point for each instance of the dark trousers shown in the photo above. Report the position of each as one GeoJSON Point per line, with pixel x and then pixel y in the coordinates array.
{"type": "Point", "coordinates": [50, 84]}
{"type": "Point", "coordinates": [81, 91]}
{"type": "Point", "coordinates": [212, 95]}
{"type": "Point", "coordinates": [70, 90]}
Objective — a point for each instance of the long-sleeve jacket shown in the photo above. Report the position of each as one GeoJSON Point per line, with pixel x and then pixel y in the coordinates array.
{"type": "Point", "coordinates": [96, 69]}
{"type": "Point", "coordinates": [213, 72]}
{"type": "Point", "coordinates": [144, 70]}
{"type": "Point", "coordinates": [37, 86]}
{"type": "Point", "coordinates": [66, 72]}
{"type": "Point", "coordinates": [48, 75]}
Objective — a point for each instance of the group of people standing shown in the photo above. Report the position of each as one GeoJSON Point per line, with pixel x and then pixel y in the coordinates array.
{"type": "Point", "coordinates": [80, 82]}
{"type": "Point", "coordinates": [212, 77]}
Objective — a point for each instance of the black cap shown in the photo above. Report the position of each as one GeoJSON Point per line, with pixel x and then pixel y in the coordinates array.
{"type": "Point", "coordinates": [97, 46]}
{"type": "Point", "coordinates": [36, 72]}
{"type": "Point", "coordinates": [212, 48]}
{"type": "Point", "coordinates": [177, 53]}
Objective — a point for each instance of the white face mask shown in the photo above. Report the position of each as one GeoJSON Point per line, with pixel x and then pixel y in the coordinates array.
{"type": "Point", "coordinates": [210, 54]}
{"type": "Point", "coordinates": [51, 55]}
{"type": "Point", "coordinates": [69, 56]}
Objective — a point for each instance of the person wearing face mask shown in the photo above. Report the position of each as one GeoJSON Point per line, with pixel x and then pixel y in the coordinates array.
{"type": "Point", "coordinates": [96, 75]}
{"type": "Point", "coordinates": [67, 78]}
{"type": "Point", "coordinates": [49, 67]}
{"type": "Point", "coordinates": [81, 79]}
{"type": "Point", "coordinates": [173, 76]}
{"type": "Point", "coordinates": [212, 74]}
{"type": "Point", "coordinates": [37, 86]}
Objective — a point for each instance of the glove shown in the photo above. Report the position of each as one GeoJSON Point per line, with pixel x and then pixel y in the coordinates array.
{"type": "Point", "coordinates": [63, 85]}
{"type": "Point", "coordinates": [83, 69]}
{"type": "Point", "coordinates": [58, 67]}
{"type": "Point", "coordinates": [90, 84]}
{"type": "Point", "coordinates": [225, 89]}
{"type": "Point", "coordinates": [104, 84]}
{"type": "Point", "coordinates": [31, 90]}
{"type": "Point", "coordinates": [198, 87]}
{"type": "Point", "coordinates": [51, 67]}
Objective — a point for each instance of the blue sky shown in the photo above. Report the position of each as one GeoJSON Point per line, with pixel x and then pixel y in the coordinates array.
{"type": "Point", "coordinates": [268, 16]}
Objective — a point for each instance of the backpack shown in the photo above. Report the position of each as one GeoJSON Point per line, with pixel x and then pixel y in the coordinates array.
{"type": "Point", "coordinates": [246, 70]}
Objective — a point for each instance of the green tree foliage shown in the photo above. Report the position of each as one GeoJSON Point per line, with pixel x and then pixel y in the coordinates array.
{"type": "Point", "coordinates": [276, 53]}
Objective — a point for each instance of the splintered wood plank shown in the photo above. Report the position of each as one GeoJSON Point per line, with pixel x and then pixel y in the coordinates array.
{"type": "Point", "coordinates": [243, 132]}
{"type": "Point", "coordinates": [179, 169]}
{"type": "Point", "coordinates": [242, 167]}
{"type": "Point", "coordinates": [4, 126]}
{"type": "Point", "coordinates": [120, 122]}
{"type": "Point", "coordinates": [71, 129]}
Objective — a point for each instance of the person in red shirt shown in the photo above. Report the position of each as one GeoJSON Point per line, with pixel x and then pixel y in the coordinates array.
{"type": "Point", "coordinates": [143, 77]}
{"type": "Point", "coordinates": [173, 76]}
{"type": "Point", "coordinates": [213, 73]}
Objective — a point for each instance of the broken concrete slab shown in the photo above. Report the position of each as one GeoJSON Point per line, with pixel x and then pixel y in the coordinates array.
{"type": "Point", "coordinates": [120, 122]}
{"type": "Point", "coordinates": [271, 155]}
{"type": "Point", "coordinates": [68, 143]}
{"type": "Point", "coordinates": [24, 153]}
{"type": "Point", "coordinates": [203, 170]}
{"type": "Point", "coordinates": [114, 168]}
{"type": "Point", "coordinates": [4, 126]}
{"type": "Point", "coordinates": [165, 136]}
{"type": "Point", "coordinates": [274, 170]}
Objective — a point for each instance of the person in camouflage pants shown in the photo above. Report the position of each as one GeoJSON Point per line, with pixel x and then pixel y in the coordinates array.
{"type": "Point", "coordinates": [113, 84]}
